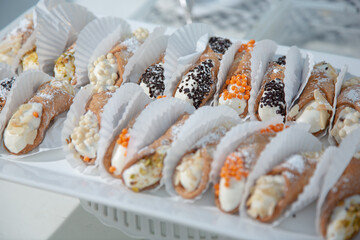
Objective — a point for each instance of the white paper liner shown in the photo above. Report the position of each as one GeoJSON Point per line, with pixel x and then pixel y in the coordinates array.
{"type": "Point", "coordinates": [292, 79]}
{"type": "Point", "coordinates": [306, 73]}
{"type": "Point", "coordinates": [88, 40]}
{"type": "Point", "coordinates": [149, 56]}
{"type": "Point", "coordinates": [197, 126]}
{"type": "Point", "coordinates": [44, 6]}
{"type": "Point", "coordinates": [57, 30]}
{"type": "Point", "coordinates": [75, 15]}
{"type": "Point", "coordinates": [224, 68]}
{"type": "Point", "coordinates": [153, 122]}
{"type": "Point", "coordinates": [276, 151]}
{"type": "Point", "coordinates": [132, 109]}
{"type": "Point", "coordinates": [340, 158]}
{"type": "Point", "coordinates": [77, 109]}
{"type": "Point", "coordinates": [184, 48]}
{"type": "Point", "coordinates": [6, 71]}
{"type": "Point", "coordinates": [156, 33]}
{"type": "Point", "coordinates": [23, 89]}
{"type": "Point", "coordinates": [338, 85]}
{"type": "Point", "coordinates": [231, 141]}
{"type": "Point", "coordinates": [312, 189]}
{"type": "Point", "coordinates": [262, 54]}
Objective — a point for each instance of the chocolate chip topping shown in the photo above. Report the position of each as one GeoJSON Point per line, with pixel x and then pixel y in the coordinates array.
{"type": "Point", "coordinates": [281, 60]}
{"type": "Point", "coordinates": [196, 84]}
{"type": "Point", "coordinates": [153, 78]}
{"type": "Point", "coordinates": [7, 83]}
{"type": "Point", "coordinates": [274, 96]}
{"type": "Point", "coordinates": [219, 44]}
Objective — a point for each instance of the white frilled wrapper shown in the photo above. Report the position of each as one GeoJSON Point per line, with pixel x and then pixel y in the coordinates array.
{"type": "Point", "coordinates": [184, 48]}
{"type": "Point", "coordinates": [339, 83]}
{"type": "Point", "coordinates": [6, 71]}
{"type": "Point", "coordinates": [197, 126]}
{"type": "Point", "coordinates": [132, 109]}
{"type": "Point", "coordinates": [261, 55]}
{"type": "Point", "coordinates": [231, 141]}
{"type": "Point", "coordinates": [57, 30]}
{"type": "Point", "coordinates": [44, 6]}
{"type": "Point", "coordinates": [24, 88]}
{"type": "Point", "coordinates": [90, 37]}
{"type": "Point", "coordinates": [225, 65]}
{"type": "Point", "coordinates": [150, 55]}
{"type": "Point", "coordinates": [290, 141]}
{"type": "Point", "coordinates": [340, 158]}
{"type": "Point", "coordinates": [77, 109]}
{"type": "Point", "coordinates": [306, 73]}
{"type": "Point", "coordinates": [292, 79]}
{"type": "Point", "coordinates": [154, 121]}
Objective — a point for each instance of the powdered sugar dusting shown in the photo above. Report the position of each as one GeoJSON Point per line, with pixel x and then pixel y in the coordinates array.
{"type": "Point", "coordinates": [353, 95]}
{"type": "Point", "coordinates": [132, 44]}
{"type": "Point", "coordinates": [295, 163]}
{"type": "Point", "coordinates": [212, 137]}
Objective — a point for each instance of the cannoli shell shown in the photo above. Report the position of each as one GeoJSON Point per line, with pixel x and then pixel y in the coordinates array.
{"type": "Point", "coordinates": [204, 176]}
{"type": "Point", "coordinates": [255, 144]}
{"type": "Point", "coordinates": [293, 186]}
{"type": "Point", "coordinates": [240, 65]}
{"type": "Point", "coordinates": [214, 72]}
{"type": "Point", "coordinates": [344, 101]}
{"type": "Point", "coordinates": [316, 81]}
{"type": "Point", "coordinates": [346, 186]}
{"type": "Point", "coordinates": [60, 103]}
{"type": "Point", "coordinates": [122, 56]}
{"type": "Point", "coordinates": [167, 137]}
{"type": "Point", "coordinates": [270, 75]}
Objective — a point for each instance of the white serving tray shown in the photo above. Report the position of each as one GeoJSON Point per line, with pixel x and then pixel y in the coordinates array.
{"type": "Point", "coordinates": [50, 171]}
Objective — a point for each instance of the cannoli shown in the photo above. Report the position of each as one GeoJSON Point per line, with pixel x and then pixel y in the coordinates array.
{"type": "Point", "coordinates": [270, 101]}
{"type": "Point", "coordinates": [106, 73]}
{"type": "Point", "coordinates": [314, 106]}
{"type": "Point", "coordinates": [191, 174]}
{"type": "Point", "coordinates": [235, 93]}
{"type": "Point", "coordinates": [29, 60]}
{"type": "Point", "coordinates": [198, 83]}
{"type": "Point", "coordinates": [84, 138]}
{"type": "Point", "coordinates": [27, 126]}
{"type": "Point", "coordinates": [64, 68]}
{"type": "Point", "coordinates": [238, 164]}
{"type": "Point", "coordinates": [13, 41]}
{"type": "Point", "coordinates": [152, 80]}
{"type": "Point", "coordinates": [144, 171]}
{"type": "Point", "coordinates": [280, 187]}
{"type": "Point", "coordinates": [340, 213]}
{"type": "Point", "coordinates": [5, 88]}
{"type": "Point", "coordinates": [347, 115]}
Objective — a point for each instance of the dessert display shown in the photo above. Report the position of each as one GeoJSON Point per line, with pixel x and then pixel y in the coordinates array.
{"type": "Point", "coordinates": [198, 83]}
{"type": "Point", "coordinates": [347, 114]}
{"type": "Point", "coordinates": [235, 93]}
{"type": "Point", "coordinates": [270, 101]}
{"type": "Point", "coordinates": [320, 104]}
{"type": "Point", "coordinates": [314, 106]}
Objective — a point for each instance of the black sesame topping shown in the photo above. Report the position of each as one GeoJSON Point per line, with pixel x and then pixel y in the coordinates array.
{"type": "Point", "coordinates": [274, 96]}
{"type": "Point", "coordinates": [219, 44]}
{"type": "Point", "coordinates": [153, 78]}
{"type": "Point", "coordinates": [200, 82]}
{"type": "Point", "coordinates": [281, 60]}
{"type": "Point", "coordinates": [7, 83]}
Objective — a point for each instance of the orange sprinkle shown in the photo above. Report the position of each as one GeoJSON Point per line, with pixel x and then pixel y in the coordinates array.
{"type": "Point", "coordinates": [86, 159]}
{"type": "Point", "coordinates": [274, 128]}
{"type": "Point", "coordinates": [233, 168]}
{"type": "Point", "coordinates": [242, 90]}
{"type": "Point", "coordinates": [246, 97]}
{"type": "Point", "coordinates": [112, 169]}
{"type": "Point", "coordinates": [227, 82]}
{"type": "Point", "coordinates": [36, 114]}
{"type": "Point", "coordinates": [247, 46]}
{"type": "Point", "coordinates": [161, 96]}
{"type": "Point", "coordinates": [123, 138]}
